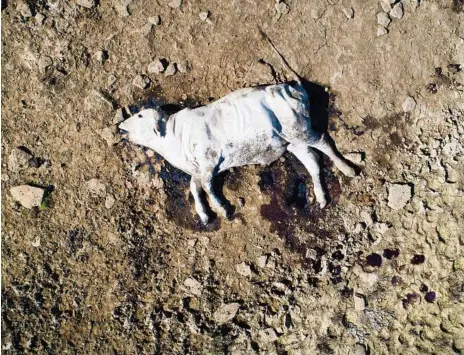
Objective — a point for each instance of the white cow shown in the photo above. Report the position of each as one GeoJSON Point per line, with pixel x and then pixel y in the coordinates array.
{"type": "Point", "coordinates": [249, 126]}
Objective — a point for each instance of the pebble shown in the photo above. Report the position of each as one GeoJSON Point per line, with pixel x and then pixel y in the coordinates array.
{"type": "Point", "coordinates": [386, 6]}
{"type": "Point", "coordinates": [226, 312]}
{"type": "Point", "coordinates": [155, 20]}
{"type": "Point", "coordinates": [96, 187]}
{"type": "Point", "coordinates": [101, 56]}
{"type": "Point", "coordinates": [175, 4]}
{"type": "Point", "coordinates": [409, 104]}
{"type": "Point", "coordinates": [44, 63]}
{"type": "Point", "coordinates": [203, 15]}
{"type": "Point", "coordinates": [156, 67]}
{"type": "Point", "coordinates": [348, 12]}
{"type": "Point", "coordinates": [18, 160]}
{"type": "Point", "coordinates": [109, 202]}
{"type": "Point", "coordinates": [282, 8]}
{"type": "Point", "coordinates": [28, 196]}
{"type": "Point", "coordinates": [397, 11]}
{"type": "Point", "coordinates": [381, 31]}
{"type": "Point", "coordinates": [243, 269]}
{"type": "Point", "coordinates": [171, 69]}
{"type": "Point", "coordinates": [108, 134]}
{"type": "Point", "coordinates": [399, 195]}
{"type": "Point", "coordinates": [194, 286]}
{"type": "Point", "coordinates": [383, 19]}
{"type": "Point", "coordinates": [118, 116]}
{"type": "Point", "coordinates": [141, 81]}
{"type": "Point", "coordinates": [36, 242]}
{"type": "Point", "coordinates": [359, 302]}
{"type": "Point", "coordinates": [86, 3]}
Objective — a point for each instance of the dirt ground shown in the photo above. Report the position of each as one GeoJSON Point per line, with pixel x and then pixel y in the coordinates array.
{"type": "Point", "coordinates": [115, 261]}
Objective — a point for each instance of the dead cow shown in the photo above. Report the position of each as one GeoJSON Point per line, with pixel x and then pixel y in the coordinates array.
{"type": "Point", "coordinates": [249, 126]}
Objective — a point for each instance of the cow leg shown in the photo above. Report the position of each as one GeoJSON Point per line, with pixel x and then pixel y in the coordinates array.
{"type": "Point", "coordinates": [327, 146]}
{"type": "Point", "coordinates": [195, 189]}
{"type": "Point", "coordinates": [207, 183]}
{"type": "Point", "coordinates": [310, 160]}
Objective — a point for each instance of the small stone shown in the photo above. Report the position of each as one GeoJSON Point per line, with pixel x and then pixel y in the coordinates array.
{"type": "Point", "coordinates": [397, 11]}
{"type": "Point", "coordinates": [111, 80]}
{"type": "Point", "coordinates": [194, 286]}
{"type": "Point", "coordinates": [261, 261]}
{"type": "Point", "coordinates": [24, 9]}
{"type": "Point", "coordinates": [95, 187]}
{"type": "Point", "coordinates": [18, 160]}
{"type": "Point", "coordinates": [348, 12]}
{"type": "Point", "coordinates": [359, 301]}
{"type": "Point", "coordinates": [383, 19]}
{"type": "Point", "coordinates": [359, 349]}
{"type": "Point", "coordinates": [121, 8]}
{"type": "Point", "coordinates": [226, 313]}
{"type": "Point", "coordinates": [399, 195]}
{"type": "Point", "coordinates": [386, 6]}
{"type": "Point", "coordinates": [355, 157]}
{"type": "Point", "coordinates": [381, 31]}
{"type": "Point", "coordinates": [108, 134]}
{"type": "Point", "coordinates": [171, 69]}
{"type": "Point", "coordinates": [155, 20]}
{"type": "Point", "coordinates": [36, 242]}
{"type": "Point", "coordinates": [267, 336]}
{"type": "Point", "coordinates": [459, 343]}
{"type": "Point", "coordinates": [44, 63]}
{"type": "Point", "coordinates": [118, 116]}
{"type": "Point", "coordinates": [203, 15]}
{"type": "Point", "coordinates": [141, 81]}
{"type": "Point", "coordinates": [101, 56]}
{"type": "Point", "coordinates": [243, 269]}
{"type": "Point", "coordinates": [183, 68]}
{"type": "Point", "coordinates": [109, 202]}
{"type": "Point", "coordinates": [282, 8]}
{"type": "Point", "coordinates": [86, 3]}
{"type": "Point", "coordinates": [409, 104]}
{"type": "Point", "coordinates": [28, 196]}
{"type": "Point", "coordinates": [156, 67]}
{"type": "Point", "coordinates": [39, 18]}
{"type": "Point", "coordinates": [146, 29]}
{"type": "Point", "coordinates": [175, 4]}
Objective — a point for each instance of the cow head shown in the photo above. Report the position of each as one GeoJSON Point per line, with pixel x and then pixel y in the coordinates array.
{"type": "Point", "coordinates": [145, 127]}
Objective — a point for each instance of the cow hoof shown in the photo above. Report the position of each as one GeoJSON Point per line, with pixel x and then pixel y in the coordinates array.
{"type": "Point", "coordinates": [204, 220]}
{"type": "Point", "coordinates": [322, 204]}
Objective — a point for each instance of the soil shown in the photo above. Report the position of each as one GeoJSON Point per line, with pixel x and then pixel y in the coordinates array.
{"type": "Point", "coordinates": [115, 259]}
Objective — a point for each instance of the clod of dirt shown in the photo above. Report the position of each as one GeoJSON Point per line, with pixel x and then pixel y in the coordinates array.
{"type": "Point", "coordinates": [226, 312]}
{"type": "Point", "coordinates": [381, 31]}
{"type": "Point", "coordinates": [391, 253]}
{"type": "Point", "coordinates": [397, 11]}
{"type": "Point", "coordinates": [157, 66]}
{"type": "Point", "coordinates": [203, 15]}
{"type": "Point", "coordinates": [409, 104]}
{"type": "Point", "coordinates": [374, 260]}
{"type": "Point", "coordinates": [86, 3]}
{"type": "Point", "coordinates": [141, 81]}
{"type": "Point", "coordinates": [155, 20]}
{"type": "Point", "coordinates": [417, 259]}
{"type": "Point", "coordinates": [28, 196]}
{"type": "Point", "coordinates": [175, 4]}
{"type": "Point", "coordinates": [399, 195]}
{"type": "Point", "coordinates": [383, 19]}
{"type": "Point", "coordinates": [171, 69]}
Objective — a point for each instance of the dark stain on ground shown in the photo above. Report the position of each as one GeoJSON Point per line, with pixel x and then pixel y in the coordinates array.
{"type": "Point", "coordinates": [292, 217]}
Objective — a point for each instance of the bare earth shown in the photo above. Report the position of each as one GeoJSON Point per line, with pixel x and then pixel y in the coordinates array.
{"type": "Point", "coordinates": [114, 260]}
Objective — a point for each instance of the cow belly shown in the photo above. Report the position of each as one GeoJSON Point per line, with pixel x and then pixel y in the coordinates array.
{"type": "Point", "coordinates": [261, 151]}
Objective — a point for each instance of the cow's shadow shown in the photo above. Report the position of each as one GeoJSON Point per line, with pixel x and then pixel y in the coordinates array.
{"type": "Point", "coordinates": [319, 100]}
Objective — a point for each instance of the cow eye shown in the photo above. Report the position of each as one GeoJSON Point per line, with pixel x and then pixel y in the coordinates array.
{"type": "Point", "coordinates": [140, 116]}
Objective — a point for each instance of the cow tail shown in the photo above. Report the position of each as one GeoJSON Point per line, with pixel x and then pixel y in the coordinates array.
{"type": "Point", "coordinates": [284, 63]}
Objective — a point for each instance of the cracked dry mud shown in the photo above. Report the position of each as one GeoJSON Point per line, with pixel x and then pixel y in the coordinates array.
{"type": "Point", "coordinates": [114, 260]}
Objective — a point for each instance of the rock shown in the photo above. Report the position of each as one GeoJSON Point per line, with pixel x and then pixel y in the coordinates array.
{"type": "Point", "coordinates": [355, 157]}
{"type": "Point", "coordinates": [243, 269]}
{"type": "Point", "coordinates": [44, 63]}
{"type": "Point", "coordinates": [36, 242]}
{"type": "Point", "coordinates": [359, 302]}
{"type": "Point", "coordinates": [156, 67]}
{"type": "Point", "coordinates": [386, 6]}
{"type": "Point", "coordinates": [381, 31]}
{"type": "Point", "coordinates": [267, 336]}
{"type": "Point", "coordinates": [86, 3]}
{"type": "Point", "coordinates": [109, 202]}
{"type": "Point", "coordinates": [155, 20]}
{"type": "Point", "coordinates": [359, 349]}
{"type": "Point", "coordinates": [183, 68]}
{"type": "Point", "coordinates": [28, 196]}
{"type": "Point", "coordinates": [96, 188]}
{"type": "Point", "coordinates": [348, 12]}
{"type": "Point", "coordinates": [282, 8]}
{"type": "Point", "coordinates": [175, 4]}
{"type": "Point", "coordinates": [261, 261]}
{"type": "Point", "coordinates": [118, 116]}
{"type": "Point", "coordinates": [39, 18]}
{"type": "Point", "coordinates": [226, 313]}
{"type": "Point", "coordinates": [141, 81]}
{"type": "Point", "coordinates": [383, 19]}
{"type": "Point", "coordinates": [399, 195]}
{"type": "Point", "coordinates": [409, 104]}
{"type": "Point", "coordinates": [194, 286]}
{"type": "Point", "coordinates": [18, 160]}
{"type": "Point", "coordinates": [108, 134]}
{"type": "Point", "coordinates": [171, 69]}
{"type": "Point", "coordinates": [203, 15]}
{"type": "Point", "coordinates": [397, 11]}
